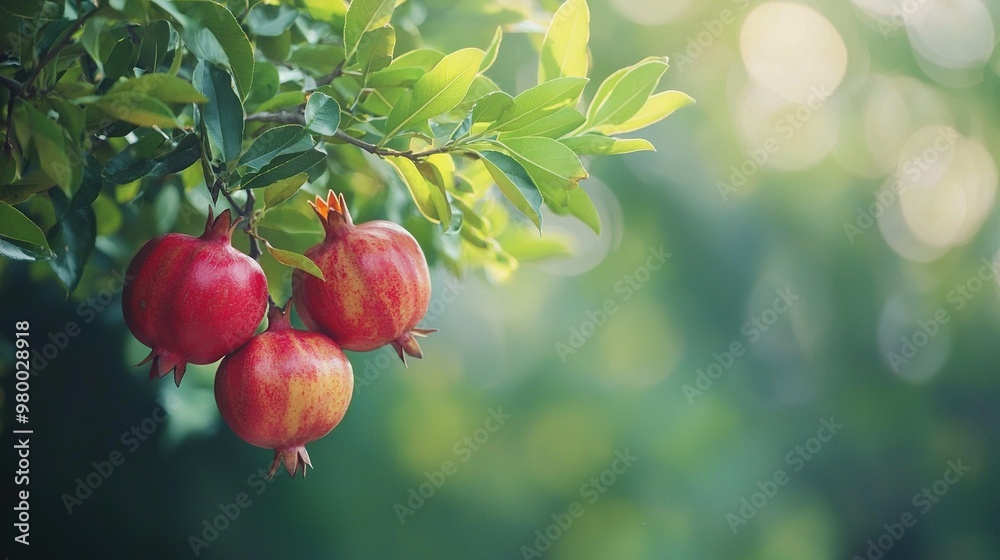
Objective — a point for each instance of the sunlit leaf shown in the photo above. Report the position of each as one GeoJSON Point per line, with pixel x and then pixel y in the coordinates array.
{"type": "Point", "coordinates": [564, 48]}
{"type": "Point", "coordinates": [362, 16]}
{"type": "Point", "coordinates": [282, 190]}
{"type": "Point", "coordinates": [623, 93]}
{"type": "Point", "coordinates": [20, 238]}
{"type": "Point", "coordinates": [540, 101]}
{"type": "Point", "coordinates": [658, 107]}
{"type": "Point", "coordinates": [596, 144]}
{"type": "Point", "coordinates": [294, 260]}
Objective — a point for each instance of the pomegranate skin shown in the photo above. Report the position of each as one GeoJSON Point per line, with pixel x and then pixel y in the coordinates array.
{"type": "Point", "coordinates": [283, 389]}
{"type": "Point", "coordinates": [377, 285]}
{"type": "Point", "coordinates": [193, 299]}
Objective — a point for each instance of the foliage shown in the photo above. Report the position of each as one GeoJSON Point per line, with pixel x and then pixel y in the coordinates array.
{"type": "Point", "coordinates": [110, 106]}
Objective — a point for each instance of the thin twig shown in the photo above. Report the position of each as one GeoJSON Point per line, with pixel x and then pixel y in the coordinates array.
{"type": "Point", "coordinates": [299, 118]}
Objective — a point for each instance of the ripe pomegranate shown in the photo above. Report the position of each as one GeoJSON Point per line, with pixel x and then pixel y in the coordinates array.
{"type": "Point", "coordinates": [377, 285]}
{"type": "Point", "coordinates": [193, 299]}
{"type": "Point", "coordinates": [283, 389]}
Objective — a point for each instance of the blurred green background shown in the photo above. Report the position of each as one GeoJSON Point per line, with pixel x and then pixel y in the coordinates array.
{"type": "Point", "coordinates": [782, 347]}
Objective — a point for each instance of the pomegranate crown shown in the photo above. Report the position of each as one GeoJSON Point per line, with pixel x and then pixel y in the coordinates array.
{"type": "Point", "coordinates": [333, 211]}
{"type": "Point", "coordinates": [277, 317]}
{"type": "Point", "coordinates": [221, 227]}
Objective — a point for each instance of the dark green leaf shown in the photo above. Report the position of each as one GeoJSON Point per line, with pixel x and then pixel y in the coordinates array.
{"type": "Point", "coordinates": [184, 155]}
{"type": "Point", "coordinates": [212, 33]}
{"type": "Point", "coordinates": [322, 114]}
{"type": "Point", "coordinates": [515, 184]}
{"type": "Point", "coordinates": [48, 140]}
{"type": "Point", "coordinates": [20, 238]}
{"type": "Point", "coordinates": [268, 20]}
{"type": "Point", "coordinates": [71, 238]}
{"type": "Point", "coordinates": [223, 114]}
{"type": "Point", "coordinates": [551, 165]}
{"type": "Point", "coordinates": [316, 59]}
{"type": "Point", "coordinates": [283, 167]}
{"type": "Point", "coordinates": [265, 85]}
{"type": "Point", "coordinates": [280, 140]}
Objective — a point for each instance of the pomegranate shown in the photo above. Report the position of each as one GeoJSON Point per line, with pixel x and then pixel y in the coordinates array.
{"type": "Point", "coordinates": [193, 299]}
{"type": "Point", "coordinates": [377, 285]}
{"type": "Point", "coordinates": [283, 389]}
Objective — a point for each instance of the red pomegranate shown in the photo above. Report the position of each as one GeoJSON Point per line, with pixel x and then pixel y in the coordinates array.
{"type": "Point", "coordinates": [283, 389]}
{"type": "Point", "coordinates": [377, 285]}
{"type": "Point", "coordinates": [193, 299]}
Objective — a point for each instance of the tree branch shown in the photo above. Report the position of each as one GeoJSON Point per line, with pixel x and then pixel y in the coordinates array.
{"type": "Point", "coordinates": [299, 118]}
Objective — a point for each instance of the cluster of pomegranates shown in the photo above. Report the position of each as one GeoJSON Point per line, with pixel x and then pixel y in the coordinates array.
{"type": "Point", "coordinates": [198, 299]}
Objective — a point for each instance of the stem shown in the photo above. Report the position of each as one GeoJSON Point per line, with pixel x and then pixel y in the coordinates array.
{"type": "Point", "coordinates": [299, 118]}
{"type": "Point", "coordinates": [251, 227]}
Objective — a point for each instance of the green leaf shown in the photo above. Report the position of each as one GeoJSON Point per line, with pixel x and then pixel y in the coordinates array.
{"type": "Point", "coordinates": [20, 238]}
{"type": "Point", "coordinates": [265, 85]}
{"type": "Point", "coordinates": [580, 205]}
{"type": "Point", "coordinates": [375, 50]}
{"type": "Point", "coordinates": [596, 144]}
{"type": "Point", "coordinates": [166, 88]}
{"type": "Point", "coordinates": [362, 16]}
{"type": "Point", "coordinates": [274, 142]}
{"type": "Point", "coordinates": [556, 125]}
{"type": "Point", "coordinates": [294, 260]}
{"type": "Point", "coordinates": [422, 193]}
{"type": "Point", "coordinates": [490, 107]}
{"type": "Point", "coordinates": [656, 108]}
{"type": "Point", "coordinates": [134, 162]}
{"type": "Point", "coordinates": [437, 177]}
{"type": "Point", "coordinates": [437, 92]}
{"type": "Point", "coordinates": [515, 184]}
{"type": "Point", "coordinates": [322, 114]}
{"type": "Point", "coordinates": [492, 51]}
{"type": "Point", "coordinates": [71, 238]}
{"type": "Point", "coordinates": [540, 101]}
{"type": "Point", "coordinates": [268, 20]}
{"type": "Point", "coordinates": [282, 190]}
{"type": "Point", "coordinates": [283, 167]}
{"type": "Point", "coordinates": [552, 166]}
{"type": "Point", "coordinates": [212, 34]}
{"type": "Point", "coordinates": [283, 100]}
{"type": "Point", "coordinates": [187, 151]}
{"type": "Point", "coordinates": [320, 60]}
{"type": "Point", "coordinates": [564, 48]}
{"type": "Point", "coordinates": [48, 140]}
{"type": "Point", "coordinates": [137, 108]}
{"type": "Point", "coordinates": [223, 114]}
{"type": "Point", "coordinates": [625, 92]}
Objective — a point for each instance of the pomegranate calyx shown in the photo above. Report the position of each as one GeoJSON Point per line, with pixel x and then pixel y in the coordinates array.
{"type": "Point", "coordinates": [292, 458]}
{"type": "Point", "coordinates": [163, 362]}
{"type": "Point", "coordinates": [220, 228]}
{"type": "Point", "coordinates": [407, 344]}
{"type": "Point", "coordinates": [332, 212]}
{"type": "Point", "coordinates": [278, 318]}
